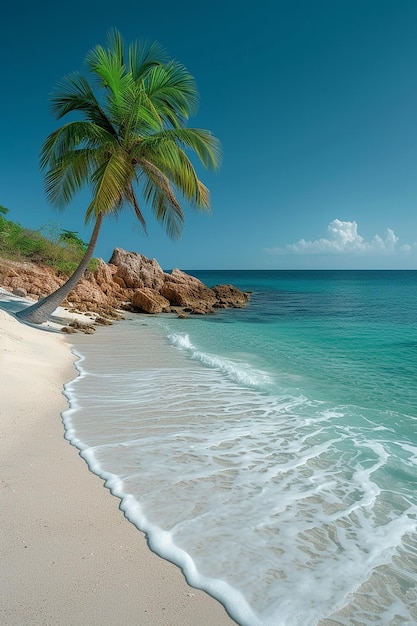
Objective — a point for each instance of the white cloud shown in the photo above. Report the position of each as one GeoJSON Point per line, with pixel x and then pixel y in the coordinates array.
{"type": "Point", "coordinates": [343, 238]}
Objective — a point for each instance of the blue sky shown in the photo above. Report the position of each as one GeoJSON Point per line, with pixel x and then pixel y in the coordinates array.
{"type": "Point", "coordinates": [314, 101]}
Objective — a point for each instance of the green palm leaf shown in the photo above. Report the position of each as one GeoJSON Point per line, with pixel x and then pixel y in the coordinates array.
{"type": "Point", "coordinates": [173, 89]}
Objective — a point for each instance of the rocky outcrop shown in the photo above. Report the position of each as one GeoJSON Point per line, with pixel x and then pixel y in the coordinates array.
{"type": "Point", "coordinates": [35, 280]}
{"type": "Point", "coordinates": [229, 296]}
{"type": "Point", "coordinates": [135, 271]}
{"type": "Point", "coordinates": [150, 301]}
{"type": "Point", "coordinates": [98, 288]}
{"type": "Point", "coordinates": [129, 281]}
{"type": "Point", "coordinates": [186, 291]}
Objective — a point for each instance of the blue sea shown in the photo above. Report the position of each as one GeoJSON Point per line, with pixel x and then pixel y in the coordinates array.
{"type": "Point", "coordinates": [270, 452]}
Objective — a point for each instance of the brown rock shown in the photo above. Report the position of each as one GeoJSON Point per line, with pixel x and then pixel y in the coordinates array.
{"type": "Point", "coordinates": [102, 321]}
{"type": "Point", "coordinates": [82, 326]}
{"type": "Point", "coordinates": [119, 281]}
{"type": "Point", "coordinates": [35, 280]}
{"type": "Point", "coordinates": [229, 296]}
{"type": "Point", "coordinates": [182, 315]}
{"type": "Point", "coordinates": [19, 291]}
{"type": "Point", "coordinates": [87, 291]}
{"type": "Point", "coordinates": [135, 271]}
{"type": "Point", "coordinates": [68, 329]}
{"type": "Point", "coordinates": [184, 290]}
{"type": "Point", "coordinates": [103, 276]}
{"type": "Point", "coordinates": [149, 301]}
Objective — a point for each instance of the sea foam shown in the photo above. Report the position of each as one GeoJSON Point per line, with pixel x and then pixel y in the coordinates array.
{"type": "Point", "coordinates": [239, 372]}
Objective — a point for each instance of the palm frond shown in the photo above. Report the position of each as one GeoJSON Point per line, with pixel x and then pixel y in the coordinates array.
{"type": "Point", "coordinates": [202, 142]}
{"type": "Point", "coordinates": [143, 56]}
{"type": "Point", "coordinates": [174, 163]}
{"type": "Point", "coordinates": [71, 136]}
{"type": "Point", "coordinates": [173, 90]}
{"type": "Point", "coordinates": [137, 115]}
{"type": "Point", "coordinates": [161, 197]}
{"type": "Point", "coordinates": [132, 199]}
{"type": "Point", "coordinates": [66, 176]}
{"type": "Point", "coordinates": [74, 93]}
{"type": "Point", "coordinates": [115, 45]}
{"type": "Point", "coordinates": [110, 182]}
{"type": "Point", "coordinates": [106, 65]}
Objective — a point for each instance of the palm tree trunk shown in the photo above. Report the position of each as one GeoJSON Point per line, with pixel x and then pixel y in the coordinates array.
{"type": "Point", "coordinates": [40, 312]}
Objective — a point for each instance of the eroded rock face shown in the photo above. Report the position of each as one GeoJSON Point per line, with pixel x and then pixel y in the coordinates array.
{"type": "Point", "coordinates": [150, 301]}
{"type": "Point", "coordinates": [20, 292]}
{"type": "Point", "coordinates": [35, 280]}
{"type": "Point", "coordinates": [129, 281]}
{"type": "Point", "coordinates": [98, 288]}
{"type": "Point", "coordinates": [229, 296]}
{"type": "Point", "coordinates": [135, 271]}
{"type": "Point", "coordinates": [184, 290]}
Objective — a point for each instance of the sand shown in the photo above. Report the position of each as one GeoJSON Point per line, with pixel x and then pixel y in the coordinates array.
{"type": "Point", "coordinates": [68, 555]}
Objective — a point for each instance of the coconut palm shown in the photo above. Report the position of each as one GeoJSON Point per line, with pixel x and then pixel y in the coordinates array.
{"type": "Point", "coordinates": [130, 134]}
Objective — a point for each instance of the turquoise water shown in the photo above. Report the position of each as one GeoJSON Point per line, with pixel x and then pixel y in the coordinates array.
{"type": "Point", "coordinates": [270, 452]}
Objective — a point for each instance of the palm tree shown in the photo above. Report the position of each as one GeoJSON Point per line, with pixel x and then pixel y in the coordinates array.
{"type": "Point", "coordinates": [132, 134]}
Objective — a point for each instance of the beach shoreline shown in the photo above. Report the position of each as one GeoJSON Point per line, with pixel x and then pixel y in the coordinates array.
{"type": "Point", "coordinates": [69, 556]}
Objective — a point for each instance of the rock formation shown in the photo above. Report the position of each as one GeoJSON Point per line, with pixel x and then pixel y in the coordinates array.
{"type": "Point", "coordinates": [130, 281]}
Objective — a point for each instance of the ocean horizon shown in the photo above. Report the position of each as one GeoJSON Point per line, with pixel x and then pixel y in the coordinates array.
{"type": "Point", "coordinates": [271, 451]}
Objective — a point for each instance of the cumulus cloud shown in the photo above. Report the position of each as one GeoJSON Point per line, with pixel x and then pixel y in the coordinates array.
{"type": "Point", "coordinates": [343, 238]}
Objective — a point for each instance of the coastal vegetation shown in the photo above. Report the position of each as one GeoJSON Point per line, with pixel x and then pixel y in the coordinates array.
{"type": "Point", "coordinates": [129, 133]}
{"type": "Point", "coordinates": [59, 249]}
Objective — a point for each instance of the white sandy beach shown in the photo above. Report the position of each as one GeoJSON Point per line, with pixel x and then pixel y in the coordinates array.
{"type": "Point", "coordinates": [68, 555]}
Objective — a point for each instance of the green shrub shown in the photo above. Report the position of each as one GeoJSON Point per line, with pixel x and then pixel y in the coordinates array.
{"type": "Point", "coordinates": [70, 238]}
{"type": "Point", "coordinates": [60, 250]}
{"type": "Point", "coordinates": [64, 268]}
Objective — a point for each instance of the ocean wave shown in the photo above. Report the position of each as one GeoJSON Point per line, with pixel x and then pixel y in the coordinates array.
{"type": "Point", "coordinates": [238, 371]}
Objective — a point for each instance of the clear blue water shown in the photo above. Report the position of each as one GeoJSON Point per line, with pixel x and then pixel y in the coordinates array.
{"type": "Point", "coordinates": [271, 451]}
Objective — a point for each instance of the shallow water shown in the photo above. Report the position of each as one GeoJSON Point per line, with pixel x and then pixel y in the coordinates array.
{"type": "Point", "coordinates": [271, 452]}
